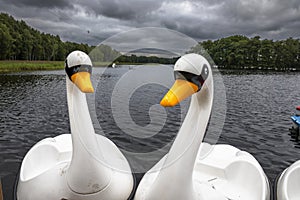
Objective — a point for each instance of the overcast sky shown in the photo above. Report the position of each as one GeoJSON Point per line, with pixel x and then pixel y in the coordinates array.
{"type": "Point", "coordinates": [91, 21]}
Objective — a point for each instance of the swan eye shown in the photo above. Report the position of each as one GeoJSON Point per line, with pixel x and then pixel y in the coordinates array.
{"type": "Point", "coordinates": [204, 72]}
{"type": "Point", "coordinates": [77, 68]}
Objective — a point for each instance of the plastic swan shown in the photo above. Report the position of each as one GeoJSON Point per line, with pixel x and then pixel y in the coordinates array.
{"type": "Point", "coordinates": [287, 185]}
{"type": "Point", "coordinates": [184, 173]}
{"type": "Point", "coordinates": [76, 166]}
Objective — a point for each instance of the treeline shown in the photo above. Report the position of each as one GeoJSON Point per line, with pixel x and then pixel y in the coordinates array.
{"type": "Point", "coordinates": [144, 59]}
{"type": "Point", "coordinates": [18, 41]}
{"type": "Point", "coordinates": [252, 53]}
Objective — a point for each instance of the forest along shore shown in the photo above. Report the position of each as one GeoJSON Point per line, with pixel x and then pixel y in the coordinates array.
{"type": "Point", "coordinates": [22, 42]}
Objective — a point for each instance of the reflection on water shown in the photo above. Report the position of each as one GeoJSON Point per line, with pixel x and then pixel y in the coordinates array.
{"type": "Point", "coordinates": [259, 105]}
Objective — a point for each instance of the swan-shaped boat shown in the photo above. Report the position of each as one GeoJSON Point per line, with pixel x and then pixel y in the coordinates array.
{"type": "Point", "coordinates": [80, 165]}
{"type": "Point", "coordinates": [287, 185]}
{"type": "Point", "coordinates": [185, 173]}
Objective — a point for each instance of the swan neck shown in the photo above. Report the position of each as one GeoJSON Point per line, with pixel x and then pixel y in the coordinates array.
{"type": "Point", "coordinates": [184, 150]}
{"type": "Point", "coordinates": [181, 158]}
{"type": "Point", "coordinates": [86, 173]}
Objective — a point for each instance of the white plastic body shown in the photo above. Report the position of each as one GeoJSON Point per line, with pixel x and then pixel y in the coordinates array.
{"type": "Point", "coordinates": [78, 166]}
{"type": "Point", "coordinates": [289, 182]}
{"type": "Point", "coordinates": [184, 173]}
{"type": "Point", "coordinates": [226, 173]}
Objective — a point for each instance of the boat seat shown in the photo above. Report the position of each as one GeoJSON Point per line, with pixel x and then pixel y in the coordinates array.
{"type": "Point", "coordinates": [43, 156]}
{"type": "Point", "coordinates": [226, 170]}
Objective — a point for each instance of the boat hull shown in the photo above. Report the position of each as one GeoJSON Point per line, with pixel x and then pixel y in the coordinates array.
{"type": "Point", "coordinates": [221, 172]}
{"type": "Point", "coordinates": [287, 187]}
{"type": "Point", "coordinates": [43, 173]}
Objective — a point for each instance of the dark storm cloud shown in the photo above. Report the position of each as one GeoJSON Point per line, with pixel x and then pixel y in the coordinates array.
{"type": "Point", "coordinates": [206, 19]}
{"type": "Point", "coordinates": [124, 10]}
{"type": "Point", "coordinates": [39, 3]}
{"type": "Point", "coordinates": [95, 20]}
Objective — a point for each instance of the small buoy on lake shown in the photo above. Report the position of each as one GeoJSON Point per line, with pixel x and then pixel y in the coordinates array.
{"type": "Point", "coordinates": [298, 110]}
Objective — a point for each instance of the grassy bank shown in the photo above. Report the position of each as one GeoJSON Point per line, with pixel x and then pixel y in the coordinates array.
{"type": "Point", "coordinates": [17, 66]}
{"type": "Point", "coordinates": [22, 65]}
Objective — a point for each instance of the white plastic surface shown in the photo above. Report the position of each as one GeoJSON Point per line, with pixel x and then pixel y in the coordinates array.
{"type": "Point", "coordinates": [223, 173]}
{"type": "Point", "coordinates": [77, 166]}
{"type": "Point", "coordinates": [289, 183]}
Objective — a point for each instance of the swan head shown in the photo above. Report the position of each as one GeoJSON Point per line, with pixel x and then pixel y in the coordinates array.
{"type": "Point", "coordinates": [190, 71]}
{"type": "Point", "coordinates": [78, 66]}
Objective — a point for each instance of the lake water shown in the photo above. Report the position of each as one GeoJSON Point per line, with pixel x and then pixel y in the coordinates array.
{"type": "Point", "coordinates": [33, 106]}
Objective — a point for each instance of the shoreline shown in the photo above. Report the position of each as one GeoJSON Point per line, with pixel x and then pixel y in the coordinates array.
{"type": "Point", "coordinates": [9, 66]}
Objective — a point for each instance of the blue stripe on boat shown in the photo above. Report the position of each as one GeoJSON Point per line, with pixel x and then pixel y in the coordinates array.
{"type": "Point", "coordinates": [296, 119]}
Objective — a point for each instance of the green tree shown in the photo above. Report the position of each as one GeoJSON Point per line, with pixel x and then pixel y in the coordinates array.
{"type": "Point", "coordinates": [242, 52]}
{"type": "Point", "coordinates": [5, 42]}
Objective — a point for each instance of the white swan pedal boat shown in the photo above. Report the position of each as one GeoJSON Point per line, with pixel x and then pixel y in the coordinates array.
{"type": "Point", "coordinates": [288, 183]}
{"type": "Point", "coordinates": [77, 166]}
{"type": "Point", "coordinates": [194, 170]}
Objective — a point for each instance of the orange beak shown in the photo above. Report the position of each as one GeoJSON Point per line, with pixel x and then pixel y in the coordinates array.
{"type": "Point", "coordinates": [179, 91]}
{"type": "Point", "coordinates": [83, 81]}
